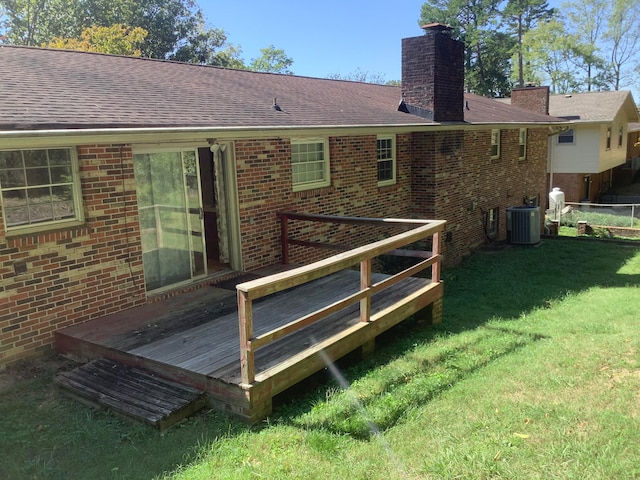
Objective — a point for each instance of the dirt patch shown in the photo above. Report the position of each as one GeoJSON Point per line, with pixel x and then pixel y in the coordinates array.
{"type": "Point", "coordinates": [30, 369]}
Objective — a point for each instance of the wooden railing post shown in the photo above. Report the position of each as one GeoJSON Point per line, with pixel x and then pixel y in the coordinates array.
{"type": "Point", "coordinates": [284, 238]}
{"type": "Point", "coordinates": [365, 283]}
{"type": "Point", "coordinates": [435, 268]}
{"type": "Point", "coordinates": [245, 314]}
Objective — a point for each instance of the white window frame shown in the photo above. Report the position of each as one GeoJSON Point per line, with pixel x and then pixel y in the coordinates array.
{"type": "Point", "coordinates": [565, 134]}
{"type": "Point", "coordinates": [620, 135]}
{"type": "Point", "coordinates": [77, 219]}
{"type": "Point", "coordinates": [495, 143]}
{"type": "Point", "coordinates": [381, 158]}
{"type": "Point", "coordinates": [325, 181]}
{"type": "Point", "coordinates": [608, 138]}
{"type": "Point", "coordinates": [522, 144]}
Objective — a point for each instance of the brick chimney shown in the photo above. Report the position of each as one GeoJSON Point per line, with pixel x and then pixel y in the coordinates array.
{"type": "Point", "coordinates": [532, 98]}
{"type": "Point", "coordinates": [433, 75]}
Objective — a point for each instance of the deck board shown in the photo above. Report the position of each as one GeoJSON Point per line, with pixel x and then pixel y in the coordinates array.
{"type": "Point", "coordinates": [198, 333]}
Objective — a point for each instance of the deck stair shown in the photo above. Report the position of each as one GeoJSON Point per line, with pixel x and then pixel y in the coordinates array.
{"type": "Point", "coordinates": [133, 392]}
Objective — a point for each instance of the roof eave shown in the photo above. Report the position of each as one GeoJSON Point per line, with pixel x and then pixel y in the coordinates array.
{"type": "Point", "coordinates": [66, 136]}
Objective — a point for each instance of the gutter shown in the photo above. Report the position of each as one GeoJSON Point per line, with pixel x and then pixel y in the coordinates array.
{"type": "Point", "coordinates": [130, 134]}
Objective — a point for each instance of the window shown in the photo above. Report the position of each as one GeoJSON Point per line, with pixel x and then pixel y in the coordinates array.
{"type": "Point", "coordinates": [39, 187]}
{"type": "Point", "coordinates": [620, 135]}
{"type": "Point", "coordinates": [310, 164]}
{"type": "Point", "coordinates": [522, 142]}
{"type": "Point", "coordinates": [566, 137]}
{"type": "Point", "coordinates": [386, 150]}
{"type": "Point", "coordinates": [495, 143]}
{"type": "Point", "coordinates": [609, 137]}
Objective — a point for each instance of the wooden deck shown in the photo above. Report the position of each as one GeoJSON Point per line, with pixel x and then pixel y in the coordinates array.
{"type": "Point", "coordinates": [196, 338]}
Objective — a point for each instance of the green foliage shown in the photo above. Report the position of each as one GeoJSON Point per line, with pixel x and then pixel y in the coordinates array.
{"type": "Point", "coordinates": [520, 16]}
{"type": "Point", "coordinates": [272, 60]}
{"type": "Point", "coordinates": [176, 28]}
{"type": "Point", "coordinates": [572, 218]}
{"type": "Point", "coordinates": [115, 39]}
{"type": "Point", "coordinates": [474, 22]}
{"type": "Point", "coordinates": [548, 51]}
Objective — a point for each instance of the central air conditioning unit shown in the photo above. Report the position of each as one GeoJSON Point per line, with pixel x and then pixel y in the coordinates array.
{"type": "Point", "coordinates": [523, 225]}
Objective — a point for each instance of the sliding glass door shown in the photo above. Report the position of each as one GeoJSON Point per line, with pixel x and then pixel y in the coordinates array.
{"type": "Point", "coordinates": [171, 217]}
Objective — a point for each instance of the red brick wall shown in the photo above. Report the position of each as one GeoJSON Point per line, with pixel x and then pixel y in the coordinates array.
{"type": "Point", "coordinates": [81, 273]}
{"type": "Point", "coordinates": [264, 188]}
{"type": "Point", "coordinates": [572, 184]}
{"type": "Point", "coordinates": [455, 179]}
{"type": "Point", "coordinates": [74, 274]}
{"type": "Point", "coordinates": [433, 75]}
{"type": "Point", "coordinates": [534, 99]}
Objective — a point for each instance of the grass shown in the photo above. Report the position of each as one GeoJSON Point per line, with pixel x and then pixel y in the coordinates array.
{"type": "Point", "coordinates": [534, 374]}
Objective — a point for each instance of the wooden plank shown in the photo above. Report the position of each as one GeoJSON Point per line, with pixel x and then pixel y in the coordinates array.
{"type": "Point", "coordinates": [292, 278]}
{"type": "Point", "coordinates": [132, 392]}
{"type": "Point", "coordinates": [245, 316]}
{"type": "Point", "coordinates": [365, 285]}
{"type": "Point", "coordinates": [355, 220]}
{"type": "Point", "coordinates": [306, 320]}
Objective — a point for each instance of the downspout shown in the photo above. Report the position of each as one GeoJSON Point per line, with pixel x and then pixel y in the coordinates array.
{"type": "Point", "coordinates": [552, 133]}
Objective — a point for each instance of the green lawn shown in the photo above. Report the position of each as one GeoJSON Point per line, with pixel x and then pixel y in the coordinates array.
{"type": "Point", "coordinates": [534, 374]}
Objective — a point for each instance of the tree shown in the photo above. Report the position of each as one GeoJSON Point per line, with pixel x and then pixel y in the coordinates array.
{"type": "Point", "coordinates": [547, 53]}
{"type": "Point", "coordinates": [116, 39]}
{"type": "Point", "coordinates": [475, 22]}
{"type": "Point", "coordinates": [362, 76]}
{"type": "Point", "coordinates": [521, 16]}
{"type": "Point", "coordinates": [28, 22]}
{"type": "Point", "coordinates": [176, 28]}
{"type": "Point", "coordinates": [623, 38]}
{"type": "Point", "coordinates": [272, 60]}
{"type": "Point", "coordinates": [586, 20]}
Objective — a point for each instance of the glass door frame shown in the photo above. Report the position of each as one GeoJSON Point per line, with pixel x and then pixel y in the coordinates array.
{"type": "Point", "coordinates": [180, 149]}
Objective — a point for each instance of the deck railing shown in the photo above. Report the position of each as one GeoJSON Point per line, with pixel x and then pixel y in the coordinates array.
{"type": "Point", "coordinates": [253, 290]}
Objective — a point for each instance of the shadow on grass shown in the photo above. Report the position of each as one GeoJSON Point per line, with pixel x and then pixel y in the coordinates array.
{"type": "Point", "coordinates": [488, 286]}
{"type": "Point", "coordinates": [47, 436]}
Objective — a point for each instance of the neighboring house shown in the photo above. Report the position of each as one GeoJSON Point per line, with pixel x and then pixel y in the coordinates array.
{"type": "Point", "coordinates": [124, 180]}
{"type": "Point", "coordinates": [583, 157]}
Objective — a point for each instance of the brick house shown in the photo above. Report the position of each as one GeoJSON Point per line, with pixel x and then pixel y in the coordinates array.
{"type": "Point", "coordinates": [124, 180]}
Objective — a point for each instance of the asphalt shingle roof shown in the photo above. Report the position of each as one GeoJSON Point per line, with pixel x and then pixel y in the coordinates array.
{"type": "Point", "coordinates": [589, 107]}
{"type": "Point", "coordinates": [57, 89]}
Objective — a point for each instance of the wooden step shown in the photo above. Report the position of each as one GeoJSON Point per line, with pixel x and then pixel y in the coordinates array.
{"type": "Point", "coordinates": [134, 392]}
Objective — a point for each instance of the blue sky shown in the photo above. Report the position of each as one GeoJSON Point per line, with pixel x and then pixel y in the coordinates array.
{"type": "Point", "coordinates": [322, 37]}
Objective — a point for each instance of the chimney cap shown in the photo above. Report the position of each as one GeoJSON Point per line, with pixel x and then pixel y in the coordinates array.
{"type": "Point", "coordinates": [436, 28]}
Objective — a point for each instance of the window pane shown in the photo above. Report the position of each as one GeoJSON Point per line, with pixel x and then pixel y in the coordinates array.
{"type": "Point", "coordinates": [40, 213]}
{"type": "Point", "coordinates": [38, 176]}
{"type": "Point", "coordinates": [35, 158]}
{"type": "Point", "coordinates": [15, 207]}
{"type": "Point", "coordinates": [62, 192]}
{"type": "Point", "coordinates": [63, 210]}
{"type": "Point", "coordinates": [37, 186]}
{"type": "Point", "coordinates": [39, 195]}
{"type": "Point", "coordinates": [59, 157]}
{"type": "Point", "coordinates": [11, 159]}
{"type": "Point", "coordinates": [12, 178]}
{"type": "Point", "coordinates": [61, 174]}
{"type": "Point", "coordinates": [308, 162]}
